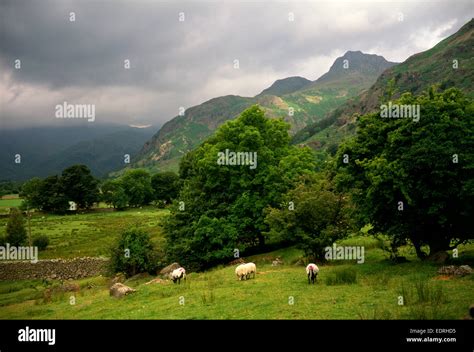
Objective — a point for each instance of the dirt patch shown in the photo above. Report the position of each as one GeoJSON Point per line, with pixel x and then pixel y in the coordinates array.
{"type": "Point", "coordinates": [442, 277]}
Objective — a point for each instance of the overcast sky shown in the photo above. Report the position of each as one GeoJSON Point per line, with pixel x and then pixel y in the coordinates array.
{"type": "Point", "coordinates": [184, 63]}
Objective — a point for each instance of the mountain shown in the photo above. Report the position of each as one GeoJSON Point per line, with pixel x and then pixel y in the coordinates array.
{"type": "Point", "coordinates": [48, 150]}
{"type": "Point", "coordinates": [417, 73]}
{"type": "Point", "coordinates": [309, 100]}
{"type": "Point", "coordinates": [286, 86]}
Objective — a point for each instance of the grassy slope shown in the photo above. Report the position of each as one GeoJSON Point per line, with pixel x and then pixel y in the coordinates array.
{"type": "Point", "coordinates": [216, 294]}
{"type": "Point", "coordinates": [90, 234]}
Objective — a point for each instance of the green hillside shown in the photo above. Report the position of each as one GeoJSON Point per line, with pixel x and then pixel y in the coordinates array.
{"type": "Point", "coordinates": [417, 73]}
{"type": "Point", "coordinates": [310, 102]}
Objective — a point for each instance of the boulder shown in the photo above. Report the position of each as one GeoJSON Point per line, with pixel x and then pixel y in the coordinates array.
{"type": "Point", "coordinates": [454, 270]}
{"type": "Point", "coordinates": [169, 269]}
{"type": "Point", "coordinates": [237, 261]}
{"type": "Point", "coordinates": [277, 262]}
{"type": "Point", "coordinates": [119, 290]}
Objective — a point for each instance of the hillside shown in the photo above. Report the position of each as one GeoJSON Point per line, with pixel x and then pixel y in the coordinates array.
{"type": "Point", "coordinates": [310, 102]}
{"type": "Point", "coordinates": [48, 150]}
{"type": "Point", "coordinates": [417, 73]}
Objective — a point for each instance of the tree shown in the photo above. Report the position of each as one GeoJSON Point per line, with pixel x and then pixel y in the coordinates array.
{"type": "Point", "coordinates": [137, 186]}
{"type": "Point", "coordinates": [165, 186]}
{"type": "Point", "coordinates": [52, 194]}
{"type": "Point", "coordinates": [31, 195]}
{"type": "Point", "coordinates": [134, 253]}
{"type": "Point", "coordinates": [80, 186]}
{"type": "Point", "coordinates": [114, 194]}
{"type": "Point", "coordinates": [313, 217]}
{"type": "Point", "coordinates": [414, 180]}
{"type": "Point", "coordinates": [221, 205]}
{"type": "Point", "coordinates": [16, 232]}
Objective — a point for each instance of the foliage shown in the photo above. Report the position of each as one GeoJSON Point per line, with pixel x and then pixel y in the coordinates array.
{"type": "Point", "coordinates": [313, 217]}
{"type": "Point", "coordinates": [113, 193]}
{"type": "Point", "coordinates": [221, 207]}
{"type": "Point", "coordinates": [133, 253]}
{"type": "Point", "coordinates": [165, 186]}
{"type": "Point", "coordinates": [16, 232]}
{"type": "Point", "coordinates": [137, 186]}
{"type": "Point", "coordinates": [426, 165]}
{"type": "Point", "coordinates": [80, 186]}
{"type": "Point", "coordinates": [41, 242]}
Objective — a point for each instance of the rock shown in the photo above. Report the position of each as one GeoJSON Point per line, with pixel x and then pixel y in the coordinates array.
{"type": "Point", "coordinates": [169, 269]}
{"type": "Point", "coordinates": [157, 281]}
{"type": "Point", "coordinates": [71, 287]}
{"type": "Point", "coordinates": [454, 270]}
{"type": "Point", "coordinates": [237, 261]}
{"type": "Point", "coordinates": [119, 290]}
{"type": "Point", "coordinates": [300, 262]}
{"type": "Point", "coordinates": [120, 277]}
{"type": "Point", "coordinates": [438, 257]}
{"type": "Point", "coordinates": [466, 269]}
{"type": "Point", "coordinates": [277, 262]}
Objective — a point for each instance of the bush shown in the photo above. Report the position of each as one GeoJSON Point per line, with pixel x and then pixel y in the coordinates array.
{"type": "Point", "coordinates": [41, 242]}
{"type": "Point", "coordinates": [341, 276]}
{"type": "Point", "coordinates": [3, 241]}
{"type": "Point", "coordinates": [134, 253]}
{"type": "Point", "coordinates": [16, 232]}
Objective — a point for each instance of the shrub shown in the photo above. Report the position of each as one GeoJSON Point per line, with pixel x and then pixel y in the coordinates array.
{"type": "Point", "coordinates": [134, 253]}
{"type": "Point", "coordinates": [16, 232]}
{"type": "Point", "coordinates": [41, 242]}
{"type": "Point", "coordinates": [341, 276]}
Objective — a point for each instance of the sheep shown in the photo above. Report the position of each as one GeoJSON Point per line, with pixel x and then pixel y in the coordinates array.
{"type": "Point", "coordinates": [244, 270]}
{"type": "Point", "coordinates": [312, 271]}
{"type": "Point", "coordinates": [178, 274]}
{"type": "Point", "coordinates": [251, 269]}
{"type": "Point", "coordinates": [241, 271]}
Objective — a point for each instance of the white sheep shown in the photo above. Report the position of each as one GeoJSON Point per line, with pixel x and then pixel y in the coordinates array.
{"type": "Point", "coordinates": [312, 271]}
{"type": "Point", "coordinates": [241, 271]}
{"type": "Point", "coordinates": [178, 274]}
{"type": "Point", "coordinates": [251, 269]}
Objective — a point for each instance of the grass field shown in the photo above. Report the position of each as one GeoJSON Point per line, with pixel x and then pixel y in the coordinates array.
{"type": "Point", "coordinates": [345, 290]}
{"type": "Point", "coordinates": [9, 201]}
{"type": "Point", "coordinates": [280, 292]}
{"type": "Point", "coordinates": [90, 234]}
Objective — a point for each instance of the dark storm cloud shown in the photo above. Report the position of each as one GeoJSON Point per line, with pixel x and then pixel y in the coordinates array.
{"type": "Point", "coordinates": [177, 63]}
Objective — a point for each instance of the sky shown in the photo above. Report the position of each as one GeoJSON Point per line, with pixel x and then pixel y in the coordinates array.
{"type": "Point", "coordinates": [184, 53]}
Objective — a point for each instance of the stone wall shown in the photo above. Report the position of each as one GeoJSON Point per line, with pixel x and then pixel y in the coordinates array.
{"type": "Point", "coordinates": [54, 269]}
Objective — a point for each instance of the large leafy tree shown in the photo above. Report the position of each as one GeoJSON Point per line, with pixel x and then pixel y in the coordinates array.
{"type": "Point", "coordinates": [31, 195]}
{"type": "Point", "coordinates": [113, 194]}
{"type": "Point", "coordinates": [137, 186]}
{"type": "Point", "coordinates": [221, 207]}
{"type": "Point", "coordinates": [165, 186]}
{"type": "Point", "coordinates": [414, 180]}
{"type": "Point", "coordinates": [53, 195]}
{"type": "Point", "coordinates": [80, 186]}
{"type": "Point", "coordinates": [313, 217]}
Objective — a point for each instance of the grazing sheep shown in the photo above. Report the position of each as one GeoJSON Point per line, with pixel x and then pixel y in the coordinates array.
{"type": "Point", "coordinates": [251, 269]}
{"type": "Point", "coordinates": [241, 271]}
{"type": "Point", "coordinates": [178, 274]}
{"type": "Point", "coordinates": [312, 271]}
